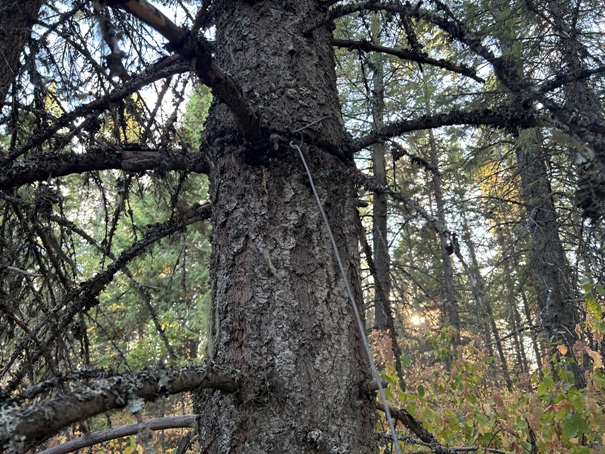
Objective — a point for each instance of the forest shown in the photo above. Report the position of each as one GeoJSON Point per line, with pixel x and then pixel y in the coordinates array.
{"type": "Point", "coordinates": [302, 226]}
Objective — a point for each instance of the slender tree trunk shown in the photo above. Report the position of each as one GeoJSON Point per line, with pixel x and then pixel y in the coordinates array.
{"type": "Point", "coordinates": [518, 338]}
{"type": "Point", "coordinates": [16, 20]}
{"type": "Point", "coordinates": [379, 201]}
{"type": "Point", "coordinates": [280, 311]}
{"type": "Point", "coordinates": [451, 315]}
{"type": "Point", "coordinates": [534, 338]}
{"type": "Point", "coordinates": [484, 306]}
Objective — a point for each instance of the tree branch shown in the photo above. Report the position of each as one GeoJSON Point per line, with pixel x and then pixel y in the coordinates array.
{"type": "Point", "coordinates": [370, 184]}
{"type": "Point", "coordinates": [569, 77]}
{"type": "Point", "coordinates": [366, 46]}
{"type": "Point", "coordinates": [94, 438]}
{"type": "Point", "coordinates": [24, 426]}
{"type": "Point", "coordinates": [196, 49]}
{"type": "Point", "coordinates": [84, 296]}
{"type": "Point", "coordinates": [163, 68]}
{"type": "Point", "coordinates": [509, 116]}
{"type": "Point", "coordinates": [51, 165]}
{"type": "Point", "coordinates": [416, 428]}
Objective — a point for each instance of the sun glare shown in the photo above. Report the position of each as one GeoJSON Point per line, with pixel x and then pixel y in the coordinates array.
{"type": "Point", "coordinates": [416, 320]}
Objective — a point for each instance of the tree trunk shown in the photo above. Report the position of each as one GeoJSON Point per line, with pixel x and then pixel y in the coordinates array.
{"type": "Point", "coordinates": [484, 305]}
{"type": "Point", "coordinates": [16, 20]}
{"type": "Point", "coordinates": [379, 202]}
{"type": "Point", "coordinates": [534, 338]}
{"type": "Point", "coordinates": [518, 341]}
{"type": "Point", "coordinates": [450, 309]}
{"type": "Point", "coordinates": [558, 308]}
{"type": "Point", "coordinates": [280, 312]}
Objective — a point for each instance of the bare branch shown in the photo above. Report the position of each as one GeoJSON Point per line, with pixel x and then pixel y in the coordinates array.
{"type": "Point", "coordinates": [197, 50]}
{"type": "Point", "coordinates": [163, 68]}
{"type": "Point", "coordinates": [416, 428]}
{"type": "Point", "coordinates": [366, 46]}
{"type": "Point", "coordinates": [510, 116]}
{"type": "Point", "coordinates": [569, 77]}
{"type": "Point", "coordinates": [41, 420]}
{"type": "Point", "coordinates": [370, 184]}
{"type": "Point", "coordinates": [51, 165]}
{"type": "Point", "coordinates": [426, 438]}
{"type": "Point", "coordinates": [94, 438]}
{"type": "Point", "coordinates": [84, 296]}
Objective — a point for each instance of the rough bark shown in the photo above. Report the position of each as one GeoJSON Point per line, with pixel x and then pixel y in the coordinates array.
{"type": "Point", "coordinates": [52, 165]}
{"type": "Point", "coordinates": [33, 424]}
{"type": "Point", "coordinates": [16, 20]}
{"type": "Point", "coordinates": [280, 312]}
{"type": "Point", "coordinates": [558, 305]}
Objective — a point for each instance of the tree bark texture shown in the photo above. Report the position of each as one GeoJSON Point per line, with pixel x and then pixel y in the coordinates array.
{"type": "Point", "coordinates": [553, 275]}
{"type": "Point", "coordinates": [16, 20]}
{"type": "Point", "coordinates": [280, 313]}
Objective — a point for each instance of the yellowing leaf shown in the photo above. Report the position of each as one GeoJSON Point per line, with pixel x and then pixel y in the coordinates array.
{"type": "Point", "coordinates": [562, 349]}
{"type": "Point", "coordinates": [595, 356]}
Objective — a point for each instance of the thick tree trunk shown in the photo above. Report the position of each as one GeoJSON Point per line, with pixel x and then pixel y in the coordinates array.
{"type": "Point", "coordinates": [16, 20]}
{"type": "Point", "coordinates": [558, 306]}
{"type": "Point", "coordinates": [280, 312]}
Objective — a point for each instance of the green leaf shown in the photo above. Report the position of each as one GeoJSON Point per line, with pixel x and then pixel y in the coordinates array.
{"type": "Point", "coordinates": [572, 425]}
{"type": "Point", "coordinates": [546, 385]}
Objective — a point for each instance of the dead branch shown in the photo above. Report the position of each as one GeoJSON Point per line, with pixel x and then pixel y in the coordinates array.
{"type": "Point", "coordinates": [94, 438]}
{"type": "Point", "coordinates": [84, 297]}
{"type": "Point", "coordinates": [55, 164]}
{"type": "Point", "coordinates": [197, 50]}
{"type": "Point", "coordinates": [404, 54]}
{"type": "Point", "coordinates": [24, 426]}
{"type": "Point", "coordinates": [163, 68]}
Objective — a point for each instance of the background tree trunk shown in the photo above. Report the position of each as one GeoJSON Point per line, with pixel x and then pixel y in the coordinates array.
{"type": "Point", "coordinates": [450, 305]}
{"type": "Point", "coordinates": [280, 312]}
{"type": "Point", "coordinates": [379, 201]}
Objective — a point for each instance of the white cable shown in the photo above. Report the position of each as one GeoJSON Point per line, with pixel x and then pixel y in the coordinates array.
{"type": "Point", "coordinates": [360, 325]}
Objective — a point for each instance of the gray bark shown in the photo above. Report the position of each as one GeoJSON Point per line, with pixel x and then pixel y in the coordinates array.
{"type": "Point", "coordinates": [280, 312]}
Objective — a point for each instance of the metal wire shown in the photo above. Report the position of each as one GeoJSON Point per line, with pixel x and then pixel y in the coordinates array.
{"type": "Point", "coordinates": [360, 325]}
